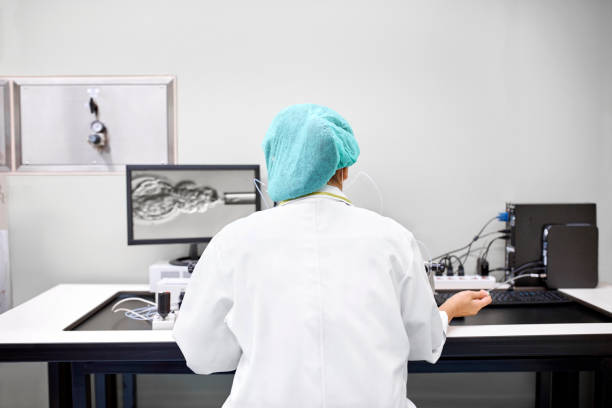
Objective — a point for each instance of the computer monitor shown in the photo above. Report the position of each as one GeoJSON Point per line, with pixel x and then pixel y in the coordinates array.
{"type": "Point", "coordinates": [169, 204]}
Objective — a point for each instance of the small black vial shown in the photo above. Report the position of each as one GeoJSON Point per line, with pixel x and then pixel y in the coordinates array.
{"type": "Point", "coordinates": [163, 304]}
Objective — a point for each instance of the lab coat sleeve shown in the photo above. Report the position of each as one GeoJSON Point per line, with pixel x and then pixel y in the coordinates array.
{"type": "Point", "coordinates": [200, 329]}
{"type": "Point", "coordinates": [425, 324]}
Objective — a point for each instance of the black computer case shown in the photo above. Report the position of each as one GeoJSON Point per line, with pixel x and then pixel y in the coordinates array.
{"type": "Point", "coordinates": [526, 223]}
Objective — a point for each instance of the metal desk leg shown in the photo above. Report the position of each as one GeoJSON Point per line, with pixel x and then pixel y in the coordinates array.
{"type": "Point", "coordinates": [60, 392]}
{"type": "Point", "coordinates": [129, 390]}
{"type": "Point", "coordinates": [603, 384]}
{"type": "Point", "coordinates": [81, 389]}
{"type": "Point", "coordinates": [557, 389]}
{"type": "Point", "coordinates": [106, 390]}
{"type": "Point", "coordinates": [565, 389]}
{"type": "Point", "coordinates": [543, 389]}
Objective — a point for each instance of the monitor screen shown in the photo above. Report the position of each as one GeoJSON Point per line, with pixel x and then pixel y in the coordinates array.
{"type": "Point", "coordinates": [187, 203]}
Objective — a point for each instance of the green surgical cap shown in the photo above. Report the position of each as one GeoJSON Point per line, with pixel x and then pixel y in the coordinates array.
{"type": "Point", "coordinates": [304, 147]}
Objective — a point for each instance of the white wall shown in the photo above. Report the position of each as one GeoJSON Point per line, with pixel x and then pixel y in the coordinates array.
{"type": "Point", "coordinates": [459, 106]}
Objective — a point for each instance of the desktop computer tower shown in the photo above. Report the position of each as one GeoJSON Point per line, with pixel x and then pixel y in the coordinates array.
{"type": "Point", "coordinates": [526, 223]}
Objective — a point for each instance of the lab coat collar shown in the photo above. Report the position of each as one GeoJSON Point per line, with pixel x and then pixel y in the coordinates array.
{"type": "Point", "coordinates": [327, 191]}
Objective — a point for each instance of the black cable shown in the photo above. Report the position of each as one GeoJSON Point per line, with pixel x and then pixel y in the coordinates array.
{"type": "Point", "coordinates": [460, 268]}
{"type": "Point", "coordinates": [457, 258]}
{"type": "Point", "coordinates": [468, 245]}
{"type": "Point", "coordinates": [492, 233]}
{"type": "Point", "coordinates": [480, 248]}
{"type": "Point", "coordinates": [486, 251]}
{"type": "Point", "coordinates": [448, 265]}
{"type": "Point", "coordinates": [529, 270]}
{"type": "Point", "coordinates": [477, 237]}
{"type": "Point", "coordinates": [444, 255]}
{"type": "Point", "coordinates": [522, 267]}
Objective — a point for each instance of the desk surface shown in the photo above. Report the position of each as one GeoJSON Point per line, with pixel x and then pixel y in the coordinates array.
{"type": "Point", "coordinates": [42, 319]}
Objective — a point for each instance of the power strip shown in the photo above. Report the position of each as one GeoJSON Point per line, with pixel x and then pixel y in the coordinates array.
{"type": "Point", "coordinates": [464, 282]}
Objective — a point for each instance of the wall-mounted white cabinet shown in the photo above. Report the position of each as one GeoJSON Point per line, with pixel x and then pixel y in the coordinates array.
{"type": "Point", "coordinates": [92, 123]}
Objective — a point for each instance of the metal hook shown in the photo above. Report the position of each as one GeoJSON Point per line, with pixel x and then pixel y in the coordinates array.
{"type": "Point", "coordinates": [93, 107]}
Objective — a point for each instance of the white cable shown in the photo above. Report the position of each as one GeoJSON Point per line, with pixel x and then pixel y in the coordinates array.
{"type": "Point", "coordinates": [366, 175]}
{"type": "Point", "coordinates": [380, 196]}
{"type": "Point", "coordinates": [260, 193]}
{"type": "Point", "coordinates": [426, 250]}
{"type": "Point", "coordinates": [129, 311]}
{"type": "Point", "coordinates": [526, 275]}
{"type": "Point", "coordinates": [148, 311]}
{"type": "Point", "coordinates": [134, 299]}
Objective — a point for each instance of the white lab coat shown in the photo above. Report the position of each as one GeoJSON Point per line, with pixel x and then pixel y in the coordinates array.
{"type": "Point", "coordinates": [315, 303]}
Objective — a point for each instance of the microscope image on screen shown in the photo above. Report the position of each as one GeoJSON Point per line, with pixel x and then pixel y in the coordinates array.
{"type": "Point", "coordinates": [156, 199]}
{"type": "Point", "coordinates": [182, 203]}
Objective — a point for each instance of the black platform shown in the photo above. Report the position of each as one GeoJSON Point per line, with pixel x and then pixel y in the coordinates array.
{"type": "Point", "coordinates": [101, 317]}
{"type": "Point", "coordinates": [534, 314]}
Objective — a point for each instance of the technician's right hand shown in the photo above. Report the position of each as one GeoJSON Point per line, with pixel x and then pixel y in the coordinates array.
{"type": "Point", "coordinates": [465, 303]}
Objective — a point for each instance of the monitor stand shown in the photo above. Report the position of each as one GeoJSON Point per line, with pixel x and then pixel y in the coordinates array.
{"type": "Point", "coordinates": [186, 260]}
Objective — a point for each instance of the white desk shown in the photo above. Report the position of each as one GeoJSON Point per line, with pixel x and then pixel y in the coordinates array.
{"type": "Point", "coordinates": [43, 318]}
{"type": "Point", "coordinates": [34, 331]}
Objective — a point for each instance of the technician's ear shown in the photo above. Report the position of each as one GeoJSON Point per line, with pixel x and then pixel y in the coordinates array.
{"type": "Point", "coordinates": [344, 173]}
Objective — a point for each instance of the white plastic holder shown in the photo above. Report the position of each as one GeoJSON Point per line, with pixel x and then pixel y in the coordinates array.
{"type": "Point", "coordinates": [160, 323]}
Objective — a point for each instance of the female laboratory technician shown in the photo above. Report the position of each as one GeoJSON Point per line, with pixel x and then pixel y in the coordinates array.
{"type": "Point", "coordinates": [316, 302]}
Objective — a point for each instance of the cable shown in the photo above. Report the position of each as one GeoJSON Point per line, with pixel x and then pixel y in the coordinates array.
{"type": "Point", "coordinates": [485, 253]}
{"type": "Point", "coordinates": [255, 181]}
{"type": "Point", "coordinates": [447, 265]}
{"type": "Point", "coordinates": [148, 311]}
{"type": "Point", "coordinates": [472, 254]}
{"type": "Point", "coordinates": [380, 196]}
{"type": "Point", "coordinates": [526, 275]}
{"type": "Point", "coordinates": [460, 268]}
{"type": "Point", "coordinates": [468, 245]}
{"type": "Point", "coordinates": [457, 258]}
{"type": "Point", "coordinates": [133, 299]}
{"type": "Point", "coordinates": [482, 264]}
{"type": "Point", "coordinates": [134, 312]}
{"type": "Point", "coordinates": [353, 180]}
{"type": "Point", "coordinates": [477, 237]}
{"type": "Point", "coordinates": [541, 268]}
{"type": "Point", "coordinates": [426, 250]}
{"type": "Point", "coordinates": [525, 266]}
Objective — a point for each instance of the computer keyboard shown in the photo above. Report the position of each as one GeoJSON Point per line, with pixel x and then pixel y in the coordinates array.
{"type": "Point", "coordinates": [516, 297]}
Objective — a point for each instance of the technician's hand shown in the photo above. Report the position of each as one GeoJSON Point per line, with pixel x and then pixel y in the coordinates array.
{"type": "Point", "coordinates": [465, 303]}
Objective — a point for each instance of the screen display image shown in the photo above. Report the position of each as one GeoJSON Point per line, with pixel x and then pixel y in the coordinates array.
{"type": "Point", "coordinates": [186, 203]}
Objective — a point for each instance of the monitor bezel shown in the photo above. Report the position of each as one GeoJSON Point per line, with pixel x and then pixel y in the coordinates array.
{"type": "Point", "coordinates": [169, 167]}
